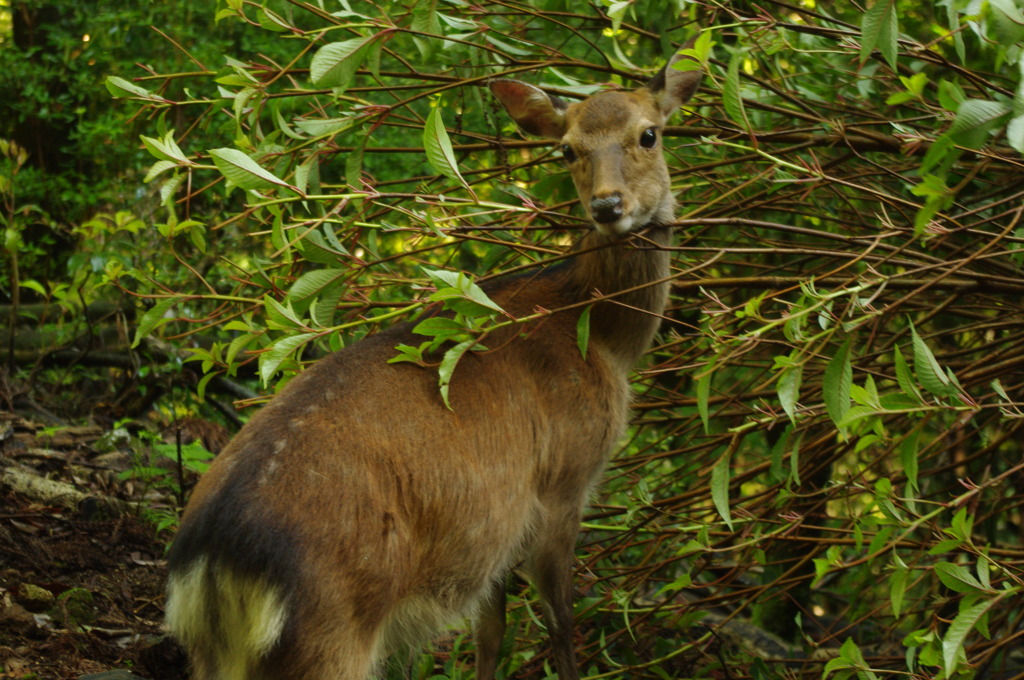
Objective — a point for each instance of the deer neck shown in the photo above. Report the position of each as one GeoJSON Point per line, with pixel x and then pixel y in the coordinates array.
{"type": "Point", "coordinates": [632, 273]}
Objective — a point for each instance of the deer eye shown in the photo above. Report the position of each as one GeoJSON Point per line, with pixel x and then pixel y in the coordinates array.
{"type": "Point", "coordinates": [648, 138]}
{"type": "Point", "coordinates": [568, 154]}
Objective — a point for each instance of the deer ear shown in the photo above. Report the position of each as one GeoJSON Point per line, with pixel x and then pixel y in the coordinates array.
{"type": "Point", "coordinates": [672, 87]}
{"type": "Point", "coordinates": [531, 108]}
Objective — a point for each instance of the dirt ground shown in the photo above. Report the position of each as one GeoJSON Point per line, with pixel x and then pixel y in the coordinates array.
{"type": "Point", "coordinates": [81, 584]}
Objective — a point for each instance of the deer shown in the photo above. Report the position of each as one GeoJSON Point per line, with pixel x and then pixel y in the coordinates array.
{"type": "Point", "coordinates": [356, 514]}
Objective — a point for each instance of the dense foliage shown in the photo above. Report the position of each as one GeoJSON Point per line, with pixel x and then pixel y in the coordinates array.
{"type": "Point", "coordinates": [825, 473]}
{"type": "Point", "coordinates": [68, 154]}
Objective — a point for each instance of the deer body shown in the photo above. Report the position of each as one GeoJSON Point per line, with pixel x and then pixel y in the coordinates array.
{"type": "Point", "coordinates": [355, 513]}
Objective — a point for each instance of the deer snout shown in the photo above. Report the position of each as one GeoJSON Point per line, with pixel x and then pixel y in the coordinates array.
{"type": "Point", "coordinates": [606, 209]}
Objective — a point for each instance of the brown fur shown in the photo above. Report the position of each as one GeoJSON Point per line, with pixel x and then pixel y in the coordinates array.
{"type": "Point", "coordinates": [355, 512]}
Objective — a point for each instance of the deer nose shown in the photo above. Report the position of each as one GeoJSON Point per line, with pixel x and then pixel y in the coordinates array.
{"type": "Point", "coordinates": [606, 209]}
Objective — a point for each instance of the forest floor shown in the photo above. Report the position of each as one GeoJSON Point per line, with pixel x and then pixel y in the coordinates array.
{"type": "Point", "coordinates": [81, 584]}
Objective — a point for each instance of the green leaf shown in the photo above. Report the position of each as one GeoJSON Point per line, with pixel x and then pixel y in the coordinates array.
{"type": "Point", "coordinates": [948, 545]}
{"type": "Point", "coordinates": [942, 151]}
{"type": "Point", "coordinates": [914, 89]}
{"type": "Point", "coordinates": [958, 578]}
{"type": "Point", "coordinates": [699, 53]}
{"type": "Point", "coordinates": [776, 470]}
{"type": "Point", "coordinates": [237, 345]}
{"type": "Point", "coordinates": [315, 247]}
{"type": "Point", "coordinates": [984, 577]}
{"type": "Point", "coordinates": [898, 589]}
{"type": "Point", "coordinates": [307, 177]}
{"type": "Point", "coordinates": [962, 525]}
{"type": "Point", "coordinates": [324, 307]}
{"type": "Point", "coordinates": [121, 88]}
{"type": "Point", "coordinates": [1007, 20]}
{"type": "Point", "coordinates": [409, 353]}
{"type": "Point", "coordinates": [166, 149]}
{"type": "Point", "coordinates": [856, 413]}
{"type": "Point", "coordinates": [154, 317]}
{"type": "Point", "coordinates": [732, 96]}
{"type": "Point", "coordinates": [425, 20]}
{"type": "Point", "coordinates": [438, 147]}
{"type": "Point", "coordinates": [909, 458]}
{"type": "Point", "coordinates": [788, 388]}
{"type": "Point", "coordinates": [324, 127]}
{"type": "Point", "coordinates": [850, 659]}
{"type": "Point", "coordinates": [956, 634]}
{"type": "Point", "coordinates": [883, 535]}
{"type": "Point", "coordinates": [354, 163]}
{"type": "Point", "coordinates": [954, 28]}
{"type": "Point", "coordinates": [929, 372]}
{"type": "Point", "coordinates": [951, 95]}
{"type": "Point", "coordinates": [158, 169]}
{"type": "Point", "coordinates": [837, 384]}
{"type": "Point", "coordinates": [280, 316]}
{"type": "Point", "coordinates": [32, 284]}
{"type": "Point", "coordinates": [704, 392]}
{"type": "Point", "coordinates": [439, 326]}
{"type": "Point", "coordinates": [316, 283]}
{"type": "Point", "coordinates": [880, 28]}
{"type": "Point", "coordinates": [720, 489]}
{"type": "Point", "coordinates": [272, 21]}
{"type": "Point", "coordinates": [447, 367]}
{"type": "Point", "coordinates": [461, 294]}
{"type": "Point", "coordinates": [1015, 133]}
{"type": "Point", "coordinates": [975, 119]}
{"type": "Point", "coordinates": [281, 350]}
{"type": "Point", "coordinates": [916, 83]}
{"type": "Point", "coordinates": [583, 332]}
{"type": "Point", "coordinates": [682, 583]}
{"type": "Point", "coordinates": [997, 387]}
{"type": "Point", "coordinates": [904, 377]}
{"type": "Point", "coordinates": [242, 171]}
{"type": "Point", "coordinates": [335, 64]}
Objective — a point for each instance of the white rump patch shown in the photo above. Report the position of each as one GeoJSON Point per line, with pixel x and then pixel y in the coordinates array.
{"type": "Point", "coordinates": [251, 616]}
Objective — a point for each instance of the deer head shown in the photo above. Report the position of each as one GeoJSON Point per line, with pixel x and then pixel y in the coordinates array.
{"type": "Point", "coordinates": [611, 143]}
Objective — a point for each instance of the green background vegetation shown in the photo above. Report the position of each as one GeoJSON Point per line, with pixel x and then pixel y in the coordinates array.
{"type": "Point", "coordinates": [825, 471]}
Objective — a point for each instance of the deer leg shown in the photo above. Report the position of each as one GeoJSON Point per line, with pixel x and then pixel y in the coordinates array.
{"type": "Point", "coordinates": [490, 631]}
{"type": "Point", "coordinates": [551, 571]}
